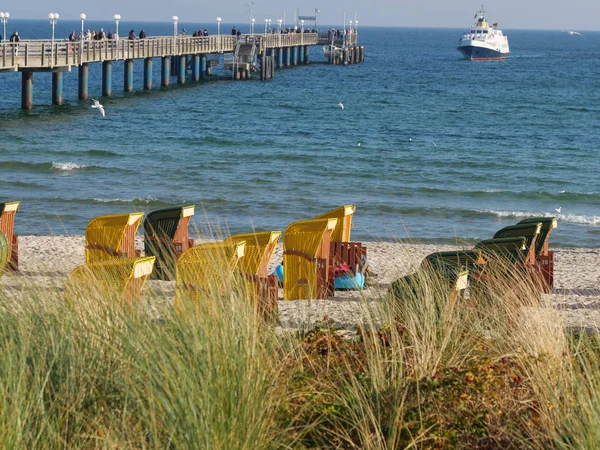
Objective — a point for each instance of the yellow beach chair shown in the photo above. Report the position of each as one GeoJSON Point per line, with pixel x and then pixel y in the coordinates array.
{"type": "Point", "coordinates": [4, 252]}
{"type": "Point", "coordinates": [120, 279]}
{"type": "Point", "coordinates": [262, 287]}
{"type": "Point", "coordinates": [7, 226]}
{"type": "Point", "coordinates": [306, 247]}
{"type": "Point", "coordinates": [113, 236]}
{"type": "Point", "coordinates": [206, 269]}
{"type": "Point", "coordinates": [342, 251]}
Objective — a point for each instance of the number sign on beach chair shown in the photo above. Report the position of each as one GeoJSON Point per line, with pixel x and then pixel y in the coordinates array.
{"type": "Point", "coordinates": [262, 287]}
{"type": "Point", "coordinates": [342, 251]}
{"type": "Point", "coordinates": [306, 249]}
{"type": "Point", "coordinates": [7, 226]}
{"type": "Point", "coordinates": [543, 256]}
{"type": "Point", "coordinates": [166, 236]}
{"type": "Point", "coordinates": [206, 270]}
{"type": "Point", "coordinates": [4, 252]}
{"type": "Point", "coordinates": [121, 279]}
{"type": "Point", "coordinates": [113, 236]}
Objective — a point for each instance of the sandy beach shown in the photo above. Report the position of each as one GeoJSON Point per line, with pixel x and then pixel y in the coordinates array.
{"type": "Point", "coordinates": [45, 262]}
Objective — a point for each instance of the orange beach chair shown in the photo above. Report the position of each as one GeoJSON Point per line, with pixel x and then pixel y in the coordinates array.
{"type": "Point", "coordinates": [7, 226]}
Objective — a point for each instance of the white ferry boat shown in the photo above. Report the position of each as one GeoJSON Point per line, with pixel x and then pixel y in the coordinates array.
{"type": "Point", "coordinates": [483, 41]}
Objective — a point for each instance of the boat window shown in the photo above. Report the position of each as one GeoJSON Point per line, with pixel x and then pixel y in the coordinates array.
{"type": "Point", "coordinates": [485, 31]}
{"type": "Point", "coordinates": [478, 31]}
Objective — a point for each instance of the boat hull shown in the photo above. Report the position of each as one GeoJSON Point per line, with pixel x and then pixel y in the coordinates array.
{"type": "Point", "coordinates": [479, 53]}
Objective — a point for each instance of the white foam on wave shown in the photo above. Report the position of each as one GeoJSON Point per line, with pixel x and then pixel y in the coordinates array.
{"type": "Point", "coordinates": [123, 200]}
{"type": "Point", "coordinates": [68, 166]}
{"type": "Point", "coordinates": [569, 218]}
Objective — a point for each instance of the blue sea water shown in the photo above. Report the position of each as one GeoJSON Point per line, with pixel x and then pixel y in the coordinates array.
{"type": "Point", "coordinates": [449, 148]}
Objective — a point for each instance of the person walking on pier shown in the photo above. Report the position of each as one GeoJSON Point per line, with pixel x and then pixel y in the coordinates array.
{"type": "Point", "coordinates": [110, 35]}
{"type": "Point", "coordinates": [15, 39]}
{"type": "Point", "coordinates": [142, 34]}
{"type": "Point", "coordinates": [233, 31]}
{"type": "Point", "coordinates": [132, 35]}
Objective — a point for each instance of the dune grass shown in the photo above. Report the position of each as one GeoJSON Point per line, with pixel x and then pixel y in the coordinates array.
{"type": "Point", "coordinates": [495, 370]}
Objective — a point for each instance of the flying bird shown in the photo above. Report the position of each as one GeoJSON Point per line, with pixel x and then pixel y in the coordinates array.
{"type": "Point", "coordinates": [574, 33]}
{"type": "Point", "coordinates": [99, 107]}
{"type": "Point", "coordinates": [558, 209]}
{"type": "Point", "coordinates": [341, 105]}
{"type": "Point", "coordinates": [358, 144]}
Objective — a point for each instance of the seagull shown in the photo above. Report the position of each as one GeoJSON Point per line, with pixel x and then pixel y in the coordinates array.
{"type": "Point", "coordinates": [99, 107]}
{"type": "Point", "coordinates": [341, 105]}
{"type": "Point", "coordinates": [358, 144]}
{"type": "Point", "coordinates": [433, 143]}
{"type": "Point", "coordinates": [558, 209]}
{"type": "Point", "coordinates": [409, 139]}
{"type": "Point", "coordinates": [573, 33]}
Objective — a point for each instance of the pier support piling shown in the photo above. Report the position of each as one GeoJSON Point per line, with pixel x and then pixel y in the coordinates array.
{"type": "Point", "coordinates": [287, 56]}
{"type": "Point", "coordinates": [301, 55]}
{"type": "Point", "coordinates": [294, 55]}
{"type": "Point", "coordinates": [27, 90]}
{"type": "Point", "coordinates": [57, 88]}
{"type": "Point", "coordinates": [181, 65]}
{"type": "Point", "coordinates": [128, 75]}
{"type": "Point", "coordinates": [196, 68]}
{"type": "Point", "coordinates": [279, 58]}
{"type": "Point", "coordinates": [306, 53]}
{"type": "Point", "coordinates": [147, 74]}
{"type": "Point", "coordinates": [203, 68]}
{"type": "Point", "coordinates": [165, 71]}
{"type": "Point", "coordinates": [83, 81]}
{"type": "Point", "coordinates": [106, 78]}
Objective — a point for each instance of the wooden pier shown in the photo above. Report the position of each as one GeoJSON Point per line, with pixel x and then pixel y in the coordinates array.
{"type": "Point", "coordinates": [242, 55]}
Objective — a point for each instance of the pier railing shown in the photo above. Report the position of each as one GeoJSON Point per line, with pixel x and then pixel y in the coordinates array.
{"type": "Point", "coordinates": [49, 55]}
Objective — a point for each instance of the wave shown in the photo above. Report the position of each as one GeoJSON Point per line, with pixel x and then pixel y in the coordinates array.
{"type": "Point", "coordinates": [67, 167]}
{"type": "Point", "coordinates": [131, 201]}
{"type": "Point", "coordinates": [569, 218]}
{"type": "Point", "coordinates": [102, 153]}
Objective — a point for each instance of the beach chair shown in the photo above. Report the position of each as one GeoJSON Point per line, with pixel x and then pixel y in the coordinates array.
{"type": "Point", "coordinates": [449, 270]}
{"type": "Point", "coordinates": [7, 226]}
{"type": "Point", "coordinates": [543, 256]}
{"type": "Point", "coordinates": [206, 270]}
{"type": "Point", "coordinates": [342, 251]}
{"type": "Point", "coordinates": [306, 250]}
{"type": "Point", "coordinates": [262, 287]}
{"type": "Point", "coordinates": [530, 231]}
{"type": "Point", "coordinates": [113, 236]}
{"type": "Point", "coordinates": [4, 252]}
{"type": "Point", "coordinates": [120, 279]}
{"type": "Point", "coordinates": [166, 236]}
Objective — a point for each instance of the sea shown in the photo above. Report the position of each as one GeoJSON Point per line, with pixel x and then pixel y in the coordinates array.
{"type": "Point", "coordinates": [449, 149]}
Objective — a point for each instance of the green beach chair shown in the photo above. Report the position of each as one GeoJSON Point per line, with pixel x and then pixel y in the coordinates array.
{"type": "Point", "coordinates": [530, 231]}
{"type": "Point", "coordinates": [167, 237]}
{"type": "Point", "coordinates": [544, 258]}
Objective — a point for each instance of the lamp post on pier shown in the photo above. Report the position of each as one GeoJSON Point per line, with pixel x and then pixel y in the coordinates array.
{"type": "Point", "coordinates": [279, 22]}
{"type": "Point", "coordinates": [252, 22]}
{"type": "Point", "coordinates": [53, 19]}
{"type": "Point", "coordinates": [175, 19]}
{"type": "Point", "coordinates": [82, 16]}
{"type": "Point", "coordinates": [219, 32]}
{"type": "Point", "coordinates": [266, 24]}
{"type": "Point", "coordinates": [116, 18]}
{"type": "Point", "coordinates": [4, 18]}
{"type": "Point", "coordinates": [302, 31]}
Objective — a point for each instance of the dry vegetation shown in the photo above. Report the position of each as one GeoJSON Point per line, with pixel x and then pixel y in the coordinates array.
{"type": "Point", "coordinates": [496, 370]}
